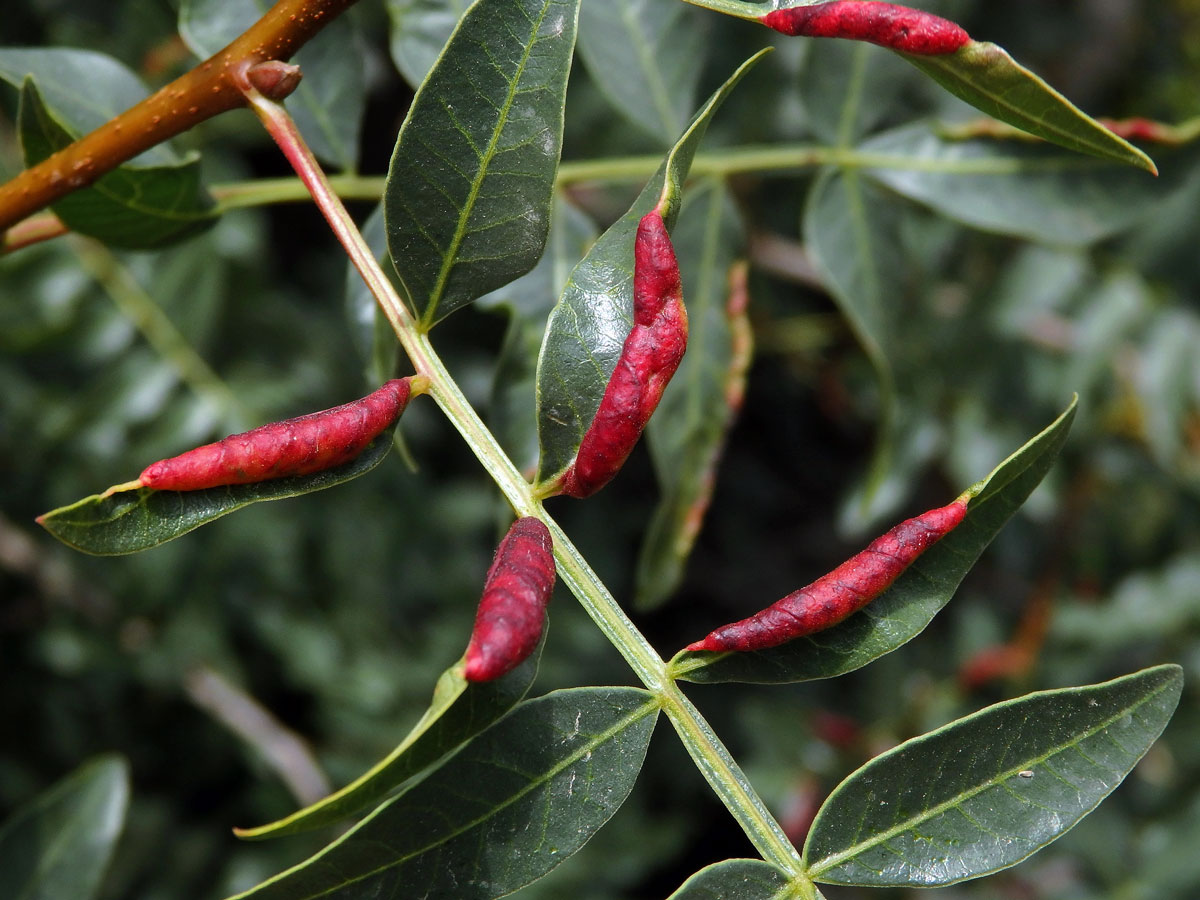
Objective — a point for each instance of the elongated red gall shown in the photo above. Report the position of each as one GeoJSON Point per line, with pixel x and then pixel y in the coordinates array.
{"type": "Point", "coordinates": [299, 446]}
{"type": "Point", "coordinates": [512, 609]}
{"type": "Point", "coordinates": [845, 590]}
{"type": "Point", "coordinates": [886, 24]}
{"type": "Point", "coordinates": [649, 357]}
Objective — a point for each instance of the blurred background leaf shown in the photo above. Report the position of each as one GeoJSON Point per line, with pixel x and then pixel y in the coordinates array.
{"type": "Point", "coordinates": [337, 611]}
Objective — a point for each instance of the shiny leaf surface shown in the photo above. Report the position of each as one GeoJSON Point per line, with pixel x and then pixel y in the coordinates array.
{"type": "Point", "coordinates": [902, 611]}
{"type": "Point", "coordinates": [60, 844]}
{"type": "Point", "coordinates": [517, 801]}
{"type": "Point", "coordinates": [459, 710]}
{"type": "Point", "coordinates": [594, 314]}
{"type": "Point", "coordinates": [468, 195]}
{"type": "Point", "coordinates": [131, 521]}
{"type": "Point", "coordinates": [984, 792]}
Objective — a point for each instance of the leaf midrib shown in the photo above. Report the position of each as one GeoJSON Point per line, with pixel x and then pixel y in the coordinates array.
{"type": "Point", "coordinates": [636, 31]}
{"type": "Point", "coordinates": [650, 707]}
{"type": "Point", "coordinates": [450, 257]}
{"type": "Point", "coordinates": [933, 812]}
{"type": "Point", "coordinates": [1102, 140]}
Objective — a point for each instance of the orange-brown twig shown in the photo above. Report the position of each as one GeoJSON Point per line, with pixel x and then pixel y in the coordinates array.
{"type": "Point", "coordinates": [200, 94]}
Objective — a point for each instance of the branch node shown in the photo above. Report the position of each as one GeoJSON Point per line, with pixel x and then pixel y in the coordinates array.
{"type": "Point", "coordinates": [274, 79]}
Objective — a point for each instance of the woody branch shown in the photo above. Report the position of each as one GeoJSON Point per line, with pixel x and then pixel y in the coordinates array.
{"type": "Point", "coordinates": [200, 94]}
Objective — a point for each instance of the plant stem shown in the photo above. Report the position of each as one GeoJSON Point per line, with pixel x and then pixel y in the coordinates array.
{"type": "Point", "coordinates": [728, 781]}
{"type": "Point", "coordinates": [200, 94]}
{"type": "Point", "coordinates": [702, 743]}
{"type": "Point", "coordinates": [31, 231]}
{"type": "Point", "coordinates": [625, 168]}
{"type": "Point", "coordinates": [734, 161]}
{"type": "Point", "coordinates": [265, 191]}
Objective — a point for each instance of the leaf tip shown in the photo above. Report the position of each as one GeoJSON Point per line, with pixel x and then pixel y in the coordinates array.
{"type": "Point", "coordinates": [257, 833]}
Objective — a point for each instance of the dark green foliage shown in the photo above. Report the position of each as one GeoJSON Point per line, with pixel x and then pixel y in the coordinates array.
{"type": "Point", "coordinates": [923, 301]}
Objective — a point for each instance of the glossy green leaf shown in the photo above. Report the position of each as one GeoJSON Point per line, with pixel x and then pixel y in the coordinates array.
{"type": "Point", "coordinates": [329, 103]}
{"type": "Point", "coordinates": [59, 845]}
{"type": "Point", "coordinates": [687, 433]}
{"type": "Point", "coordinates": [469, 189]}
{"type": "Point", "coordinates": [646, 57]}
{"type": "Point", "coordinates": [82, 89]}
{"type": "Point", "coordinates": [460, 709]}
{"type": "Point", "coordinates": [136, 207]}
{"type": "Point", "coordinates": [420, 29]}
{"type": "Point", "coordinates": [512, 413]}
{"type": "Point", "coordinates": [854, 235]}
{"type": "Point", "coordinates": [984, 792]}
{"type": "Point", "coordinates": [902, 611]}
{"type": "Point", "coordinates": [737, 879]}
{"type": "Point", "coordinates": [594, 314]}
{"type": "Point", "coordinates": [130, 521]}
{"type": "Point", "coordinates": [509, 807]}
{"type": "Point", "coordinates": [989, 79]}
{"type": "Point", "coordinates": [1026, 190]}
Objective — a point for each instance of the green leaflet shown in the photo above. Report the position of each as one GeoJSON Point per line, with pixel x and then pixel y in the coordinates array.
{"type": "Point", "coordinates": [591, 321]}
{"type": "Point", "coordinates": [646, 57]}
{"type": "Point", "coordinates": [420, 29]}
{"type": "Point", "coordinates": [984, 792]}
{"type": "Point", "coordinates": [543, 781]}
{"type": "Point", "coordinates": [469, 189]}
{"type": "Point", "coordinates": [83, 89]}
{"type": "Point", "coordinates": [458, 711]}
{"type": "Point", "coordinates": [737, 879]}
{"type": "Point", "coordinates": [1022, 188]}
{"type": "Point", "coordinates": [130, 521]}
{"type": "Point", "coordinates": [902, 611]}
{"type": "Point", "coordinates": [60, 845]}
{"type": "Point", "coordinates": [989, 79]}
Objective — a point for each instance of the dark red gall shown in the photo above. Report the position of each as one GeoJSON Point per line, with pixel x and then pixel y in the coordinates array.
{"type": "Point", "coordinates": [649, 357]}
{"type": "Point", "coordinates": [886, 24]}
{"type": "Point", "coordinates": [845, 590]}
{"type": "Point", "coordinates": [299, 446]}
{"type": "Point", "coordinates": [512, 610]}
